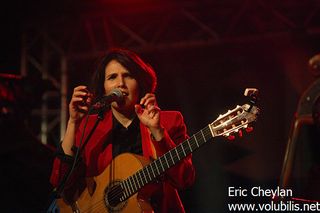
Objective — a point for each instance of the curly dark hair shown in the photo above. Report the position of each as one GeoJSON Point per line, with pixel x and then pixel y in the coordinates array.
{"type": "Point", "coordinates": [142, 72]}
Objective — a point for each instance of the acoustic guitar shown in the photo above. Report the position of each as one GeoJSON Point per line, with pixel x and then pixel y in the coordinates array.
{"type": "Point", "coordinates": [116, 189]}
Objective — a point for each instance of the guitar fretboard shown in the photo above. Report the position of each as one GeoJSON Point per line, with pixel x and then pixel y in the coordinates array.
{"type": "Point", "coordinates": [153, 170]}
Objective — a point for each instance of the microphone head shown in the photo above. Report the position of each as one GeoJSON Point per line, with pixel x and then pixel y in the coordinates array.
{"type": "Point", "coordinates": [104, 101]}
{"type": "Point", "coordinates": [116, 95]}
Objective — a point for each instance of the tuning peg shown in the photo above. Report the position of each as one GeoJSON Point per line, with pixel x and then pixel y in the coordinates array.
{"type": "Point", "coordinates": [249, 129]}
{"type": "Point", "coordinates": [231, 137]}
{"type": "Point", "coordinates": [240, 133]}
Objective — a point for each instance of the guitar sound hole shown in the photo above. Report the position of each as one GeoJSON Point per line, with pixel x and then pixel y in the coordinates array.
{"type": "Point", "coordinates": [113, 195]}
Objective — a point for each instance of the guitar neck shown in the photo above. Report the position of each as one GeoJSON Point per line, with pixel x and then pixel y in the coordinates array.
{"type": "Point", "coordinates": [225, 125]}
{"type": "Point", "coordinates": [150, 172]}
{"type": "Point", "coordinates": [178, 153]}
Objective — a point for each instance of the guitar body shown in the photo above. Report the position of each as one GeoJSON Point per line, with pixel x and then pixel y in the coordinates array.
{"type": "Point", "coordinates": [122, 186]}
{"type": "Point", "coordinates": [92, 199]}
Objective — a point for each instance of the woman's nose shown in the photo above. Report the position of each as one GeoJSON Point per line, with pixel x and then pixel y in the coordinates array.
{"type": "Point", "coordinates": [121, 82]}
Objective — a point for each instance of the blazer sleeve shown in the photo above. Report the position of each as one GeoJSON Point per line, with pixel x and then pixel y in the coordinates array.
{"type": "Point", "coordinates": [61, 166]}
{"type": "Point", "coordinates": [181, 175]}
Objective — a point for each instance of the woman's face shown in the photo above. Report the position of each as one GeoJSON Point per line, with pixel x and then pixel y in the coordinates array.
{"type": "Point", "coordinates": [117, 76]}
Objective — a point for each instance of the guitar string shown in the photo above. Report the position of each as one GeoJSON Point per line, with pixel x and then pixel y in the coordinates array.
{"type": "Point", "coordinates": [118, 192]}
{"type": "Point", "coordinates": [206, 132]}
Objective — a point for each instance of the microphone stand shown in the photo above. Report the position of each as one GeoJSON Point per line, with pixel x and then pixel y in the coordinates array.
{"type": "Point", "coordinates": [53, 208]}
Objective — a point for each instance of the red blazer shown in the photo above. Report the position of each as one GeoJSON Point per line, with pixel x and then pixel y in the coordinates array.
{"type": "Point", "coordinates": [98, 154]}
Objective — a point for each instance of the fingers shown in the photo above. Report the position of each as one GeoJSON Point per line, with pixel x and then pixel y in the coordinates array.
{"type": "Point", "coordinates": [148, 100]}
{"type": "Point", "coordinates": [80, 102]}
{"type": "Point", "coordinates": [82, 109]}
{"type": "Point", "coordinates": [148, 112]}
{"type": "Point", "coordinates": [153, 110]}
{"type": "Point", "coordinates": [81, 96]}
{"type": "Point", "coordinates": [138, 108]}
{"type": "Point", "coordinates": [149, 103]}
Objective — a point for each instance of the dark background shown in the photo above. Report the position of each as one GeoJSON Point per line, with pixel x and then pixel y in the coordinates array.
{"type": "Point", "coordinates": [261, 44]}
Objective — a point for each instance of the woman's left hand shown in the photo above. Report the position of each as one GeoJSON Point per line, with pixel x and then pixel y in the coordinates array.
{"type": "Point", "coordinates": [148, 113]}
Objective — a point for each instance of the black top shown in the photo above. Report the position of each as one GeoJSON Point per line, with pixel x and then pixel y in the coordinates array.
{"type": "Point", "coordinates": [126, 139]}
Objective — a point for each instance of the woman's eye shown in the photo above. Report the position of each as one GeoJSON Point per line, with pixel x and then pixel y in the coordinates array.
{"type": "Point", "coordinates": [110, 77]}
{"type": "Point", "coordinates": [128, 75]}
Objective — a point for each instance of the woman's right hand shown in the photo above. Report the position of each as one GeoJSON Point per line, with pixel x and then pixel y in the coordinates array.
{"type": "Point", "coordinates": [79, 104]}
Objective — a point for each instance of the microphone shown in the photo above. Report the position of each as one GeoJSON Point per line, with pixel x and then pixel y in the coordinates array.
{"type": "Point", "coordinates": [115, 95]}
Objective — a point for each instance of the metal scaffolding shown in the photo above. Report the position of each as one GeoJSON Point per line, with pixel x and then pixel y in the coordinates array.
{"type": "Point", "coordinates": [37, 54]}
{"type": "Point", "coordinates": [149, 27]}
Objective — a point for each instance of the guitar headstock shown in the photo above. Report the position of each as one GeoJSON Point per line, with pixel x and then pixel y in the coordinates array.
{"type": "Point", "coordinates": [238, 118]}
